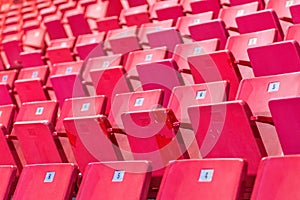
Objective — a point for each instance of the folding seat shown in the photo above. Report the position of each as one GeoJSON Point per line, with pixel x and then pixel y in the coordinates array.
{"type": "Point", "coordinates": [54, 27]}
{"type": "Point", "coordinates": [8, 177]}
{"type": "Point", "coordinates": [214, 124]}
{"type": "Point", "coordinates": [86, 43]}
{"type": "Point", "coordinates": [219, 66]}
{"type": "Point", "coordinates": [73, 86]}
{"type": "Point", "coordinates": [70, 5]}
{"type": "Point", "coordinates": [32, 79]}
{"type": "Point", "coordinates": [124, 43]}
{"type": "Point", "coordinates": [79, 107]}
{"type": "Point", "coordinates": [136, 15]}
{"type": "Point", "coordinates": [111, 146]}
{"type": "Point", "coordinates": [30, 24]}
{"type": "Point", "coordinates": [201, 6]}
{"type": "Point", "coordinates": [8, 77]}
{"type": "Point", "coordinates": [282, 8]}
{"type": "Point", "coordinates": [153, 76]}
{"type": "Point", "coordinates": [258, 21]}
{"type": "Point", "coordinates": [182, 51]}
{"type": "Point", "coordinates": [60, 50]}
{"type": "Point", "coordinates": [264, 88]}
{"type": "Point", "coordinates": [9, 155]}
{"type": "Point", "coordinates": [142, 56]}
{"type": "Point", "coordinates": [239, 44]}
{"type": "Point", "coordinates": [129, 178]}
{"type": "Point", "coordinates": [277, 178]}
{"type": "Point", "coordinates": [184, 21]}
{"type": "Point", "coordinates": [48, 181]}
{"type": "Point", "coordinates": [294, 9]}
{"type": "Point", "coordinates": [32, 58]}
{"type": "Point", "coordinates": [184, 96]}
{"type": "Point", "coordinates": [35, 38]}
{"type": "Point", "coordinates": [133, 101]}
{"type": "Point", "coordinates": [109, 82]}
{"type": "Point", "coordinates": [12, 48]}
{"type": "Point", "coordinates": [278, 58]}
{"type": "Point", "coordinates": [168, 37]}
{"type": "Point", "coordinates": [192, 179]}
{"type": "Point", "coordinates": [7, 96]}
{"type": "Point", "coordinates": [34, 130]}
{"type": "Point", "coordinates": [240, 2]}
{"type": "Point", "coordinates": [152, 27]}
{"type": "Point", "coordinates": [108, 23]}
{"type": "Point", "coordinates": [166, 10]}
{"type": "Point", "coordinates": [228, 14]}
{"type": "Point", "coordinates": [78, 23]}
{"type": "Point", "coordinates": [48, 11]}
{"type": "Point", "coordinates": [210, 30]}
{"type": "Point", "coordinates": [293, 33]}
{"type": "Point", "coordinates": [284, 113]}
{"type": "Point", "coordinates": [128, 32]}
{"type": "Point", "coordinates": [100, 62]}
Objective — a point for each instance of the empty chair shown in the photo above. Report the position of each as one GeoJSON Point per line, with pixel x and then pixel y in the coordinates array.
{"type": "Point", "coordinates": [78, 23]}
{"type": "Point", "coordinates": [12, 48]}
{"type": "Point", "coordinates": [183, 22]}
{"type": "Point", "coordinates": [153, 76]}
{"type": "Point", "coordinates": [240, 2]}
{"type": "Point", "coordinates": [184, 96]}
{"type": "Point", "coordinates": [109, 82]}
{"type": "Point", "coordinates": [228, 14]}
{"type": "Point", "coordinates": [7, 96]}
{"type": "Point", "coordinates": [277, 58]}
{"type": "Point", "coordinates": [192, 179]}
{"type": "Point", "coordinates": [152, 27]}
{"type": "Point", "coordinates": [36, 120]}
{"type": "Point", "coordinates": [210, 30]}
{"type": "Point", "coordinates": [277, 178]}
{"type": "Point", "coordinates": [86, 43]}
{"type": "Point", "coordinates": [213, 124]}
{"type": "Point", "coordinates": [55, 28]}
{"type": "Point", "coordinates": [73, 86]}
{"type": "Point", "coordinates": [98, 63]}
{"type": "Point", "coordinates": [258, 21]}
{"type": "Point", "coordinates": [136, 15]}
{"type": "Point", "coordinates": [130, 178]}
{"type": "Point", "coordinates": [182, 51]}
{"type": "Point", "coordinates": [219, 66]}
{"type": "Point", "coordinates": [8, 77]}
{"type": "Point", "coordinates": [293, 33]}
{"type": "Point", "coordinates": [81, 106]}
{"type": "Point", "coordinates": [294, 9]}
{"type": "Point", "coordinates": [166, 10]}
{"type": "Point", "coordinates": [8, 181]}
{"type": "Point", "coordinates": [108, 23]}
{"type": "Point", "coordinates": [200, 6]}
{"type": "Point", "coordinates": [60, 50]}
{"type": "Point", "coordinates": [265, 88]}
{"type": "Point", "coordinates": [285, 117]}
{"type": "Point", "coordinates": [166, 37]}
{"type": "Point", "coordinates": [239, 44]}
{"type": "Point", "coordinates": [32, 58]}
{"type": "Point", "coordinates": [143, 56]}
{"type": "Point", "coordinates": [50, 181]}
{"type": "Point", "coordinates": [282, 8]}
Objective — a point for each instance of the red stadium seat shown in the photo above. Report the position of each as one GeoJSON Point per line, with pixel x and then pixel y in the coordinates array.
{"type": "Point", "coordinates": [8, 177]}
{"type": "Point", "coordinates": [215, 123]}
{"type": "Point", "coordinates": [240, 2]}
{"type": "Point", "coordinates": [272, 170]}
{"type": "Point", "coordinates": [264, 88]}
{"type": "Point", "coordinates": [183, 22]}
{"type": "Point", "coordinates": [192, 179]}
{"type": "Point", "coordinates": [153, 76]}
{"type": "Point", "coordinates": [285, 117]}
{"type": "Point", "coordinates": [258, 21]}
{"type": "Point", "coordinates": [220, 65]}
{"type": "Point", "coordinates": [228, 14]}
{"type": "Point", "coordinates": [239, 44]}
{"type": "Point", "coordinates": [282, 8]}
{"type": "Point", "coordinates": [60, 50]}
{"type": "Point", "coordinates": [277, 58]}
{"type": "Point", "coordinates": [48, 181]}
{"type": "Point", "coordinates": [214, 29]}
{"type": "Point", "coordinates": [102, 180]}
{"type": "Point", "coordinates": [200, 6]}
